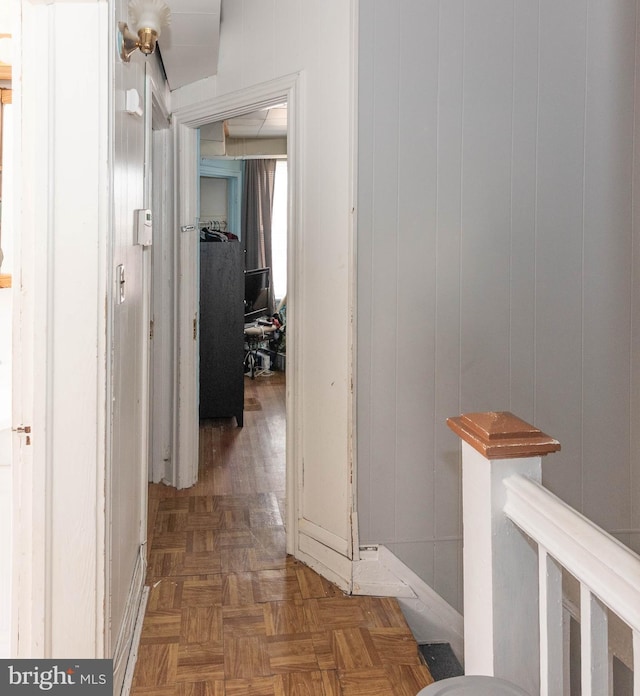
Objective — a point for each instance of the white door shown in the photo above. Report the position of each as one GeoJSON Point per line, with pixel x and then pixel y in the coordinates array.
{"type": "Point", "coordinates": [320, 521]}
{"type": "Point", "coordinates": [6, 268]}
{"type": "Point", "coordinates": [59, 355]}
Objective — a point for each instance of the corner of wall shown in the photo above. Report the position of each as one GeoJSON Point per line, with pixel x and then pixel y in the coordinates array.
{"type": "Point", "coordinates": [430, 618]}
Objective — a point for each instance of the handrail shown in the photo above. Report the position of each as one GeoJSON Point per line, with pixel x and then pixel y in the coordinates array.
{"type": "Point", "coordinates": [609, 569]}
{"type": "Point", "coordinates": [516, 626]}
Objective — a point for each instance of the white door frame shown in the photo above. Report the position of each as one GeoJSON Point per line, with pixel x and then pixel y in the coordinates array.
{"type": "Point", "coordinates": [185, 121]}
{"type": "Point", "coordinates": [161, 366]}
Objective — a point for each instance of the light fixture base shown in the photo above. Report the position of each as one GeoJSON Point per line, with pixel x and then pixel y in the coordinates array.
{"type": "Point", "coordinates": [147, 40]}
{"type": "Point", "coordinates": [148, 18]}
{"type": "Point", "coordinates": [128, 42]}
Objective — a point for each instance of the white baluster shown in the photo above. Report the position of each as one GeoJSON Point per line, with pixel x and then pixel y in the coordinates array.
{"type": "Point", "coordinates": [551, 625]}
{"type": "Point", "coordinates": [594, 643]}
{"type": "Point", "coordinates": [566, 652]}
{"type": "Point", "coordinates": [636, 663]}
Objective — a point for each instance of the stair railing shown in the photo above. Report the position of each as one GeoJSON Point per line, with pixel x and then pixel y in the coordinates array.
{"type": "Point", "coordinates": [519, 538]}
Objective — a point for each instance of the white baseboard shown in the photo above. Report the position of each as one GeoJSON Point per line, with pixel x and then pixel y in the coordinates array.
{"type": "Point", "coordinates": [430, 618]}
{"type": "Point", "coordinates": [135, 644]}
{"type": "Point", "coordinates": [126, 647]}
{"type": "Point", "coordinates": [326, 561]}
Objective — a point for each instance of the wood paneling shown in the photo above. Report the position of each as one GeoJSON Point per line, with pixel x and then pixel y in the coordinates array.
{"type": "Point", "coordinates": [496, 253]}
{"type": "Point", "coordinates": [229, 613]}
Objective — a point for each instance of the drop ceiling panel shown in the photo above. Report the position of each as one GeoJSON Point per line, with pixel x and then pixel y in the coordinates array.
{"type": "Point", "coordinates": [267, 123]}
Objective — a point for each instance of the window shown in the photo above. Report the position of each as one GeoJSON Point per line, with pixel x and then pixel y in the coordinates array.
{"type": "Point", "coordinates": [279, 231]}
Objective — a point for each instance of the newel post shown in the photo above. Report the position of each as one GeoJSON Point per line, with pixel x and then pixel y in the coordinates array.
{"type": "Point", "coordinates": [501, 630]}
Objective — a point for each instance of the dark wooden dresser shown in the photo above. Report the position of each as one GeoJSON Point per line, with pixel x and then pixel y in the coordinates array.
{"type": "Point", "coordinates": [221, 330]}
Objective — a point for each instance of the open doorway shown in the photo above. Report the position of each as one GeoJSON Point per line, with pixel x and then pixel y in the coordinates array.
{"type": "Point", "coordinates": [243, 198]}
{"type": "Point", "coordinates": [242, 229]}
{"type": "Point", "coordinates": [188, 150]}
{"type": "Point", "coordinates": [320, 524]}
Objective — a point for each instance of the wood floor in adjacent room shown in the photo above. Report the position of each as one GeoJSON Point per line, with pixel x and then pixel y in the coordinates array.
{"type": "Point", "coordinates": [229, 613]}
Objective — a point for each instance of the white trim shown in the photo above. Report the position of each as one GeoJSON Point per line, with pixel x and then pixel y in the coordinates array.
{"type": "Point", "coordinates": [371, 577]}
{"type": "Point", "coordinates": [329, 563]}
{"type": "Point", "coordinates": [163, 313]}
{"type": "Point", "coordinates": [185, 120]}
{"type": "Point", "coordinates": [431, 619]}
{"type": "Point", "coordinates": [185, 465]}
{"type": "Point", "coordinates": [353, 277]}
{"type": "Point", "coordinates": [126, 648]}
{"type": "Point", "coordinates": [103, 310]}
{"type": "Point", "coordinates": [104, 560]}
{"type": "Point", "coordinates": [609, 569]}
{"type": "Point", "coordinates": [333, 541]}
{"type": "Point", "coordinates": [146, 290]}
{"type": "Point", "coordinates": [156, 116]}
{"type": "Point", "coordinates": [293, 367]}
{"type": "Point", "coordinates": [135, 643]}
{"type": "Point", "coordinates": [260, 96]}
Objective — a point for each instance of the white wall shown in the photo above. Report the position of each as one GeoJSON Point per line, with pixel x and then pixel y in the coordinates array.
{"type": "Point", "coordinates": [129, 332]}
{"type": "Point", "coordinates": [213, 198]}
{"type": "Point", "coordinates": [496, 257]}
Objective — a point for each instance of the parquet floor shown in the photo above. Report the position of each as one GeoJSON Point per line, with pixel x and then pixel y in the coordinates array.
{"type": "Point", "coordinates": [229, 613]}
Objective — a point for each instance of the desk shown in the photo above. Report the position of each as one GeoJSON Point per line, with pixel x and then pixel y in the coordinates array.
{"type": "Point", "coordinates": [255, 334]}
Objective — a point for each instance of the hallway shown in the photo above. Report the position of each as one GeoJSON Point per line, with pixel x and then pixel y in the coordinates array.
{"type": "Point", "coordinates": [229, 613]}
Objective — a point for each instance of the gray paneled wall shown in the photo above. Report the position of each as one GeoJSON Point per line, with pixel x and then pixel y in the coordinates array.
{"type": "Point", "coordinates": [495, 257]}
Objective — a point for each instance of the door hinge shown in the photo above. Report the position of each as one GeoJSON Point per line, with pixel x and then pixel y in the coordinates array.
{"type": "Point", "coordinates": [151, 330]}
{"type": "Point", "coordinates": [195, 328]}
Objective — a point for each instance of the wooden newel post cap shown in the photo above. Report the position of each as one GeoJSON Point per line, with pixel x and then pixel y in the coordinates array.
{"type": "Point", "coordinates": [501, 435]}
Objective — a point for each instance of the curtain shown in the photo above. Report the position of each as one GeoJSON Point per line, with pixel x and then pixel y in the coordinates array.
{"type": "Point", "coordinates": [257, 206]}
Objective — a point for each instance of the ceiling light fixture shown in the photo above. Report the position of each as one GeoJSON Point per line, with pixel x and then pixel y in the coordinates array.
{"type": "Point", "coordinates": [149, 17]}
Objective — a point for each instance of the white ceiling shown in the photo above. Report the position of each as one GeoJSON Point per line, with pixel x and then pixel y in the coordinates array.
{"type": "Point", "coordinates": [189, 45]}
{"type": "Point", "coordinates": [189, 48]}
{"type": "Point", "coordinates": [267, 123]}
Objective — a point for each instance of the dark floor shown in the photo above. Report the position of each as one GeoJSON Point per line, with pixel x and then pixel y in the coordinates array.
{"type": "Point", "coordinates": [441, 660]}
